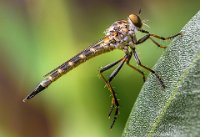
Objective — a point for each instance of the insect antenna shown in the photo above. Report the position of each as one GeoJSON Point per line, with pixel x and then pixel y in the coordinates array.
{"type": "Point", "coordinates": [139, 12]}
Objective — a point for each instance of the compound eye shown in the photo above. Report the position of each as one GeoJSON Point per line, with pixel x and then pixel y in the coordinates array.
{"type": "Point", "coordinates": [135, 20]}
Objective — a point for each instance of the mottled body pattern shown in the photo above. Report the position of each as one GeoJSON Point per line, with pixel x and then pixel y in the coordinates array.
{"type": "Point", "coordinates": [120, 35]}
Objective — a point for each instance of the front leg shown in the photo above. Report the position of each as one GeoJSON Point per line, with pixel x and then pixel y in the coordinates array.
{"type": "Point", "coordinates": [159, 37]}
{"type": "Point", "coordinates": [143, 39]}
{"type": "Point", "coordinates": [149, 35]}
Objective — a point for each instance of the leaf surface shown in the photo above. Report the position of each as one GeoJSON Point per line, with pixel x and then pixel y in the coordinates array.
{"type": "Point", "coordinates": [174, 111]}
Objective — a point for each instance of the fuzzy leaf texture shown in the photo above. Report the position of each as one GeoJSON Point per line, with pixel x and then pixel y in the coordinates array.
{"type": "Point", "coordinates": [174, 111]}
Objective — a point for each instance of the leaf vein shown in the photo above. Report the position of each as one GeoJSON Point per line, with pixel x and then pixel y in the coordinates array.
{"type": "Point", "coordinates": [172, 96]}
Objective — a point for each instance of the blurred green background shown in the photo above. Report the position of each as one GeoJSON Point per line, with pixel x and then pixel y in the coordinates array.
{"type": "Point", "coordinates": [38, 35]}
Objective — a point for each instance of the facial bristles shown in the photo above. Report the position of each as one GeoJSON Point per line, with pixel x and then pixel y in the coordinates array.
{"type": "Point", "coordinates": [144, 23]}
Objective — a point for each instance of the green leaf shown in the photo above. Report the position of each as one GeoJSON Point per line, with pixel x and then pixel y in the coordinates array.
{"type": "Point", "coordinates": [174, 111]}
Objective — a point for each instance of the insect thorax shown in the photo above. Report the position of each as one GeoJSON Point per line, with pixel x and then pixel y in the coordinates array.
{"type": "Point", "coordinates": [121, 32]}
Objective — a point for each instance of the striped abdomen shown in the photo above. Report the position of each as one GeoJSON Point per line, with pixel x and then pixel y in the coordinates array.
{"type": "Point", "coordinates": [83, 56]}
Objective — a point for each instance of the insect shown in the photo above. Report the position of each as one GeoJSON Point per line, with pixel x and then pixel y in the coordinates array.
{"type": "Point", "coordinates": [120, 35]}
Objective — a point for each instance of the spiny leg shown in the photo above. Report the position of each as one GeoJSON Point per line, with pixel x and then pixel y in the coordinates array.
{"type": "Point", "coordinates": [152, 71]}
{"type": "Point", "coordinates": [106, 68]}
{"type": "Point", "coordinates": [138, 70]}
{"type": "Point", "coordinates": [114, 98]}
{"type": "Point", "coordinates": [108, 84]}
{"type": "Point", "coordinates": [115, 102]}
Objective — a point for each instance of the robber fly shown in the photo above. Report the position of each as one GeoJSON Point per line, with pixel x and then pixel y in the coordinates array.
{"type": "Point", "coordinates": [120, 35]}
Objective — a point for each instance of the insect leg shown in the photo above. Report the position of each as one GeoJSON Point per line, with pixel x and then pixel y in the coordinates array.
{"type": "Point", "coordinates": [149, 35]}
{"type": "Point", "coordinates": [143, 39]}
{"type": "Point", "coordinates": [115, 102]}
{"type": "Point", "coordinates": [157, 44]}
{"type": "Point", "coordinates": [110, 66]}
{"type": "Point", "coordinates": [152, 71]}
{"type": "Point", "coordinates": [159, 37]}
{"type": "Point", "coordinates": [138, 70]}
{"type": "Point", "coordinates": [104, 79]}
